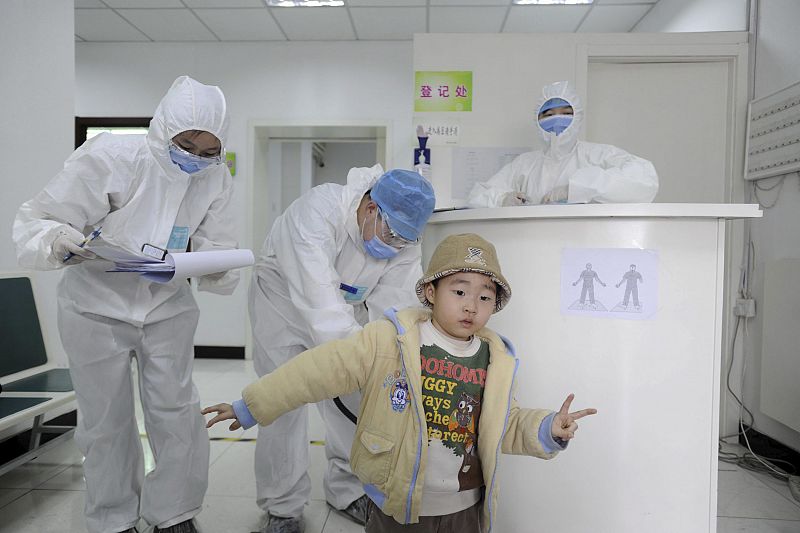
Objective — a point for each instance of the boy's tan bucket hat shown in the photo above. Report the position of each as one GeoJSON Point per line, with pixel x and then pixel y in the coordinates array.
{"type": "Point", "coordinates": [466, 252]}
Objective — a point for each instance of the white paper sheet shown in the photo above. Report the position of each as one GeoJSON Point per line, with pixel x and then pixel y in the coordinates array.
{"type": "Point", "coordinates": [196, 264]}
{"type": "Point", "coordinates": [115, 254]}
{"type": "Point", "coordinates": [471, 165]}
{"type": "Point", "coordinates": [175, 265]}
{"type": "Point", "coordinates": [609, 282]}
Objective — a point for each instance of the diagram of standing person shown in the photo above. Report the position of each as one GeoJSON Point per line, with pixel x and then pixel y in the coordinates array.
{"type": "Point", "coordinates": [631, 278]}
{"type": "Point", "coordinates": [630, 299]}
{"type": "Point", "coordinates": [589, 276]}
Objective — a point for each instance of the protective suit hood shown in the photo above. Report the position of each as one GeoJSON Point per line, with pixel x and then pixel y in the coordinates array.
{"type": "Point", "coordinates": [558, 146]}
{"type": "Point", "coordinates": [363, 178]}
{"type": "Point", "coordinates": [359, 181]}
{"type": "Point", "coordinates": [188, 105]}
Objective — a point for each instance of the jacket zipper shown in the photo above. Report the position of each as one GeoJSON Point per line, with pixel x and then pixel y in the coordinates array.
{"type": "Point", "coordinates": [419, 438]}
{"type": "Point", "coordinates": [500, 444]}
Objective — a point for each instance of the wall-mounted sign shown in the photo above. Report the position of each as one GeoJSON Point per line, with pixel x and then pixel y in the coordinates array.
{"type": "Point", "coordinates": [443, 91]}
{"type": "Point", "coordinates": [230, 161]}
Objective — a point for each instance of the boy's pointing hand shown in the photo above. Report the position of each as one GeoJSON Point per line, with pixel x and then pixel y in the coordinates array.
{"type": "Point", "coordinates": [564, 425]}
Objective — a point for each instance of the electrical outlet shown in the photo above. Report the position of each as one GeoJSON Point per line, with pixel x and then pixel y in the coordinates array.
{"type": "Point", "coordinates": [794, 486]}
{"type": "Point", "coordinates": [745, 307]}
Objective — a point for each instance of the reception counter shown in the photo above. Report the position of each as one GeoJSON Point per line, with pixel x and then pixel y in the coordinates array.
{"type": "Point", "coordinates": [648, 361]}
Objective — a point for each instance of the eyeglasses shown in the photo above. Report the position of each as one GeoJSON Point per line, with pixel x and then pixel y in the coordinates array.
{"type": "Point", "coordinates": [390, 237]}
{"type": "Point", "coordinates": [214, 159]}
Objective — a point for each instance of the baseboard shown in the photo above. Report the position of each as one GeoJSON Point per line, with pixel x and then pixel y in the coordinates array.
{"type": "Point", "coordinates": [219, 352]}
{"type": "Point", "coordinates": [768, 447]}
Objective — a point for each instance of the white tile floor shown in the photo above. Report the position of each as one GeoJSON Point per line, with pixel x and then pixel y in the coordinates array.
{"type": "Point", "coordinates": [47, 494]}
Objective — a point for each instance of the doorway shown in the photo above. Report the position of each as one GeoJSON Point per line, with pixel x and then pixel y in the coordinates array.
{"type": "Point", "coordinates": [288, 160]}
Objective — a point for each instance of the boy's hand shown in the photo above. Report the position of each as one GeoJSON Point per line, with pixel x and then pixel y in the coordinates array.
{"type": "Point", "coordinates": [224, 412]}
{"type": "Point", "coordinates": [564, 426]}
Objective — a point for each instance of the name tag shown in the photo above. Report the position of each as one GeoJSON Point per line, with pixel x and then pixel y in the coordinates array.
{"type": "Point", "coordinates": [178, 239]}
{"type": "Point", "coordinates": [352, 293]}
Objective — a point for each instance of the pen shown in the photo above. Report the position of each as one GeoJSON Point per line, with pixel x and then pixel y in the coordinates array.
{"type": "Point", "coordinates": [348, 288]}
{"type": "Point", "coordinates": [92, 236]}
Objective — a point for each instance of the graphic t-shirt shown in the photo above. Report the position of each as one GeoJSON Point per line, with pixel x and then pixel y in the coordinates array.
{"type": "Point", "coordinates": [453, 380]}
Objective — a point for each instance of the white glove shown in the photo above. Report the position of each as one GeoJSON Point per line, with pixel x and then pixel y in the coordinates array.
{"type": "Point", "coordinates": [556, 196]}
{"type": "Point", "coordinates": [69, 242]}
{"type": "Point", "coordinates": [514, 198]}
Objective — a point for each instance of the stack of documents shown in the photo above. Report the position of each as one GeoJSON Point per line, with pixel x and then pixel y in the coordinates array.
{"type": "Point", "coordinates": [175, 265]}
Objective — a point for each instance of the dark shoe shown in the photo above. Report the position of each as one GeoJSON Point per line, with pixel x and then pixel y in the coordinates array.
{"type": "Point", "coordinates": [278, 524]}
{"type": "Point", "coordinates": [184, 527]}
{"type": "Point", "coordinates": [357, 511]}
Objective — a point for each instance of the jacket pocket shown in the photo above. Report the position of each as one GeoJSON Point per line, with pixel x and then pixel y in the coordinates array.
{"type": "Point", "coordinates": [372, 457]}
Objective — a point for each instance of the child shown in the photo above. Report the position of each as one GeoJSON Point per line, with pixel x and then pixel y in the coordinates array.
{"type": "Point", "coordinates": [437, 401]}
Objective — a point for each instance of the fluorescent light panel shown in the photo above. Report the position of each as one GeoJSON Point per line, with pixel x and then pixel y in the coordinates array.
{"type": "Point", "coordinates": [305, 3]}
{"type": "Point", "coordinates": [550, 2]}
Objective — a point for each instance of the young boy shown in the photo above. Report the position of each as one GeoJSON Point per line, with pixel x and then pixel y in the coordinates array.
{"type": "Point", "coordinates": [437, 402]}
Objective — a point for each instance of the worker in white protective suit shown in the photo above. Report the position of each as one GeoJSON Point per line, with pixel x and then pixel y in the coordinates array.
{"type": "Point", "coordinates": [168, 189]}
{"type": "Point", "coordinates": [567, 170]}
{"type": "Point", "coordinates": [333, 261]}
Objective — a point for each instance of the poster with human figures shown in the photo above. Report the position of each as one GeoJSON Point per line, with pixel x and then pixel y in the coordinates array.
{"type": "Point", "coordinates": [609, 282]}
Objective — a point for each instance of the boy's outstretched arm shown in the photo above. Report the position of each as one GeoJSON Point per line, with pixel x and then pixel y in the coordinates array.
{"type": "Point", "coordinates": [331, 369]}
{"type": "Point", "coordinates": [564, 425]}
{"type": "Point", "coordinates": [224, 412]}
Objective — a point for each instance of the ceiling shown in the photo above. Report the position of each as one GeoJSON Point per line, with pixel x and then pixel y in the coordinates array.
{"type": "Point", "coordinates": [358, 20]}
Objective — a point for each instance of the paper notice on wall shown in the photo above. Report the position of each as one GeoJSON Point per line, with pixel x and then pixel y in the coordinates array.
{"type": "Point", "coordinates": [609, 282]}
{"type": "Point", "coordinates": [440, 131]}
{"type": "Point", "coordinates": [471, 165]}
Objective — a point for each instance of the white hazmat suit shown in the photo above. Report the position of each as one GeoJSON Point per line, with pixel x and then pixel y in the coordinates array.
{"type": "Point", "coordinates": [568, 169]}
{"type": "Point", "coordinates": [296, 303]}
{"type": "Point", "coordinates": [130, 186]}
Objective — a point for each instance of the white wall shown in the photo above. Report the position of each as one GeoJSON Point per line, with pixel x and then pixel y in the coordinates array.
{"type": "Point", "coordinates": [36, 122]}
{"type": "Point", "coordinates": [777, 65]}
{"type": "Point", "coordinates": [296, 82]}
{"type": "Point", "coordinates": [695, 15]}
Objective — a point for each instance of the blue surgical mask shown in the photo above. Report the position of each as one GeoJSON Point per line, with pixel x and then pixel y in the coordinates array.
{"type": "Point", "coordinates": [376, 247]}
{"type": "Point", "coordinates": [555, 123]}
{"type": "Point", "coordinates": [379, 249]}
{"type": "Point", "coordinates": [189, 162]}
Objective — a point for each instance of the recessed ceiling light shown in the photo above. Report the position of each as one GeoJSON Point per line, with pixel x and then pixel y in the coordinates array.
{"type": "Point", "coordinates": [305, 3]}
{"type": "Point", "coordinates": [550, 2]}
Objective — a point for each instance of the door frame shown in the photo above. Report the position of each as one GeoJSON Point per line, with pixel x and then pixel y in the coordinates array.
{"type": "Point", "coordinates": [261, 130]}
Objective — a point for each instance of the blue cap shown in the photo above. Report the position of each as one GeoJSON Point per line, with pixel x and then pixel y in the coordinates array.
{"type": "Point", "coordinates": [407, 200]}
{"type": "Point", "coordinates": [553, 103]}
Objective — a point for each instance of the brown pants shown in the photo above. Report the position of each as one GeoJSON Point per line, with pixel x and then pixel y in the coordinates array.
{"type": "Point", "coordinates": [466, 521]}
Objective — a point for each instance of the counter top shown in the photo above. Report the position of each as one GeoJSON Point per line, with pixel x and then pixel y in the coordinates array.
{"type": "Point", "coordinates": [725, 211]}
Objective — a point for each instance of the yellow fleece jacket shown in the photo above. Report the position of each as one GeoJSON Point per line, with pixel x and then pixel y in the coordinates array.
{"type": "Point", "coordinates": [389, 450]}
